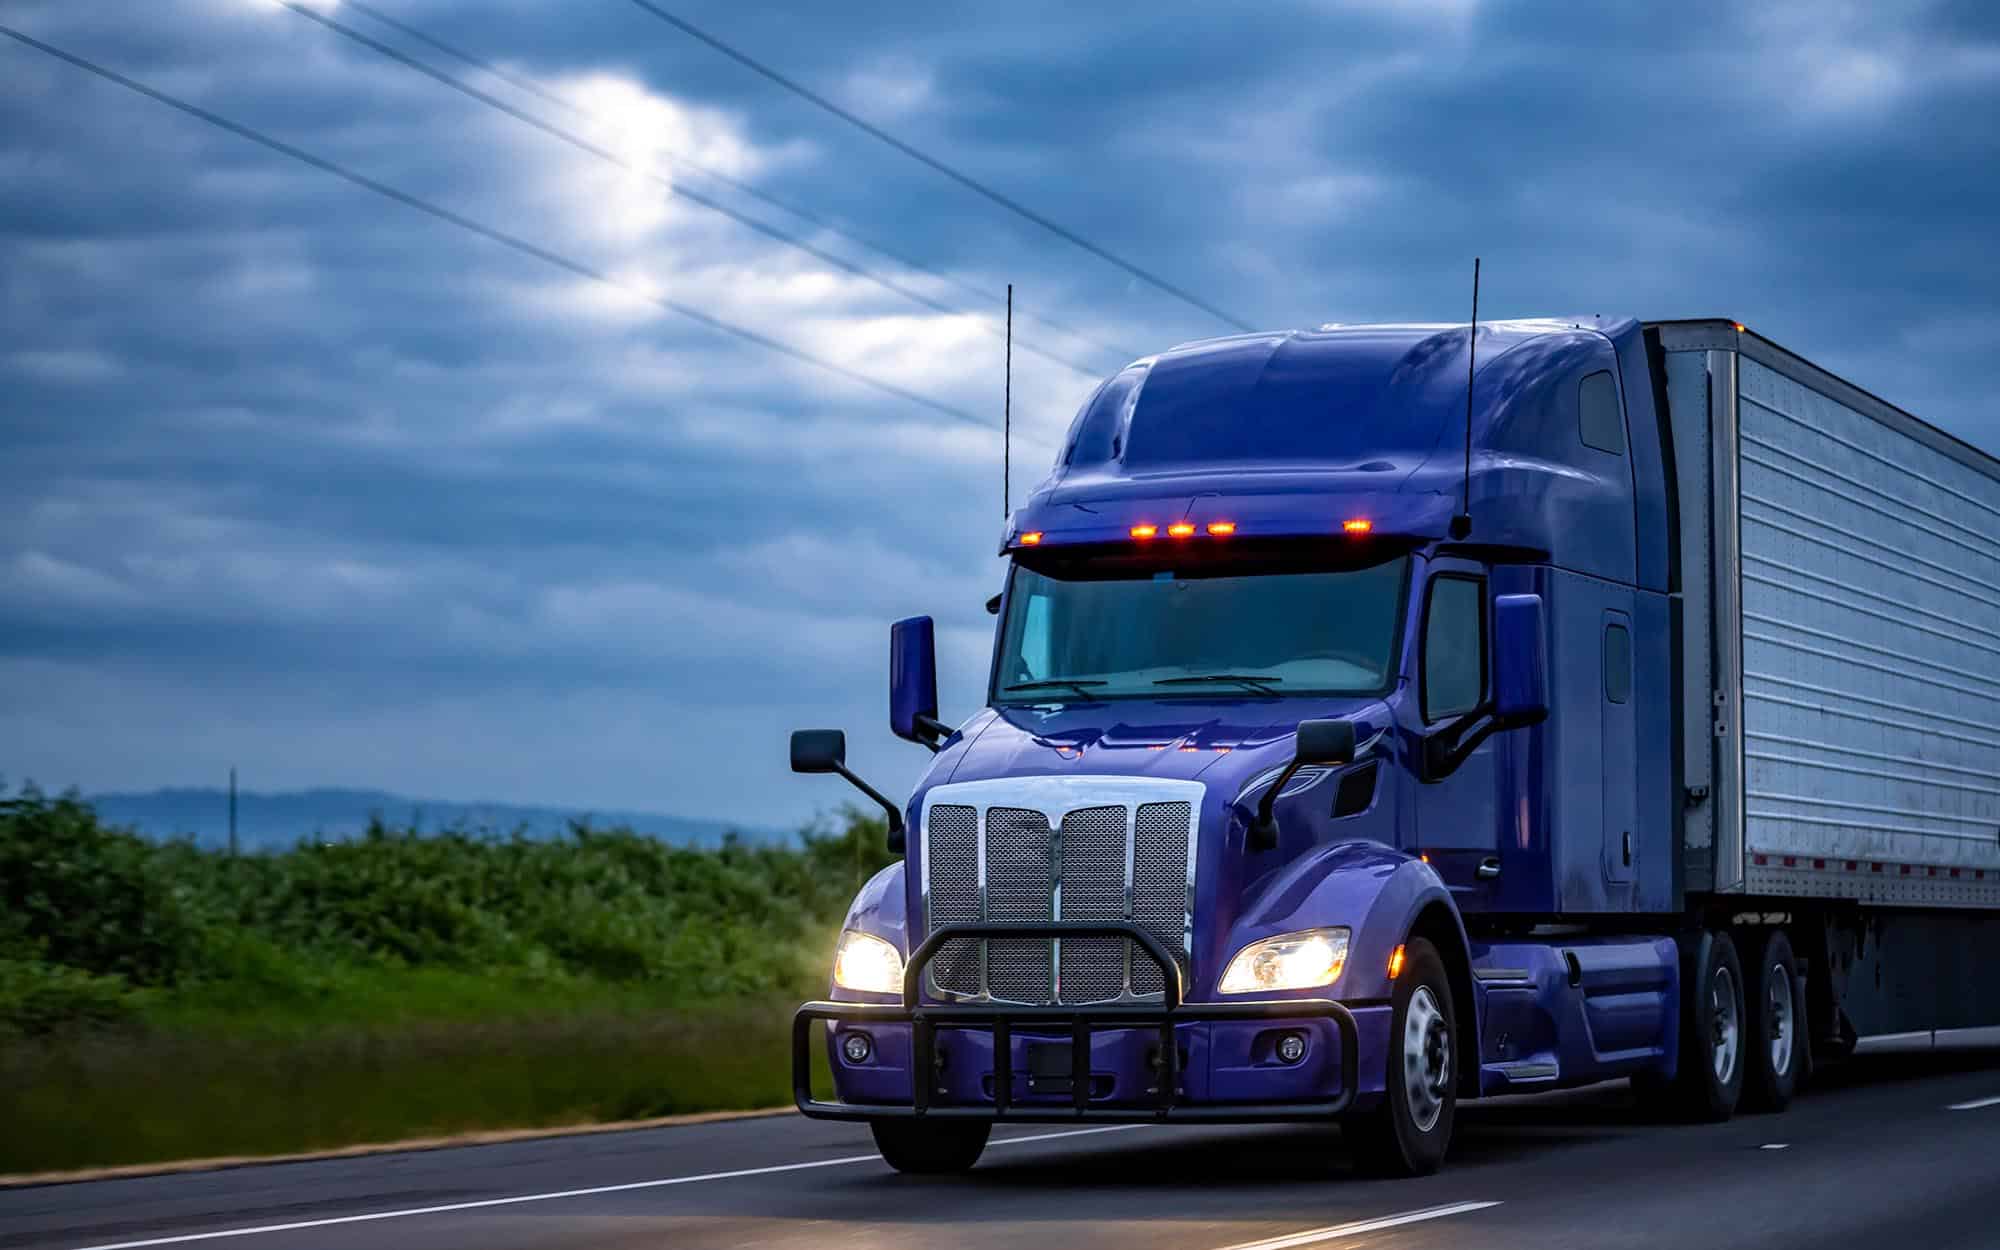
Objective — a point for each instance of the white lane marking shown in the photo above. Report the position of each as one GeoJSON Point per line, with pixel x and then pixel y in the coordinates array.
{"type": "Point", "coordinates": [407, 1212]}
{"type": "Point", "coordinates": [1974, 1105]}
{"type": "Point", "coordinates": [1775, 1145]}
{"type": "Point", "coordinates": [1356, 1228]}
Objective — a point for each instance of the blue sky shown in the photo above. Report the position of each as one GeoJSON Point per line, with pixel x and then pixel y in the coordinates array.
{"type": "Point", "coordinates": [299, 480]}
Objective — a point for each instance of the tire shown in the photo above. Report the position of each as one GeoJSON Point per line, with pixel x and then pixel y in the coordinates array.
{"type": "Point", "coordinates": [1709, 1082]}
{"type": "Point", "coordinates": [1774, 1050]}
{"type": "Point", "coordinates": [1410, 1132]}
{"type": "Point", "coordinates": [931, 1148]}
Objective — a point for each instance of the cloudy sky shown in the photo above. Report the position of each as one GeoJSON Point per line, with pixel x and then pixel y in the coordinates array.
{"type": "Point", "coordinates": [299, 479]}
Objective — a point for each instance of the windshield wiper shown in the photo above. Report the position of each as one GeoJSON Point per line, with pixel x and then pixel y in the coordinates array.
{"type": "Point", "coordinates": [1082, 687]}
{"type": "Point", "coordinates": [1262, 685]}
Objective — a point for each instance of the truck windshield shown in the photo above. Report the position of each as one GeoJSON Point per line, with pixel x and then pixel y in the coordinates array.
{"type": "Point", "coordinates": [1084, 633]}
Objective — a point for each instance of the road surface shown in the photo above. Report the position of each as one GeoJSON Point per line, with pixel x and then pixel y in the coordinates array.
{"type": "Point", "coordinates": [1899, 1153]}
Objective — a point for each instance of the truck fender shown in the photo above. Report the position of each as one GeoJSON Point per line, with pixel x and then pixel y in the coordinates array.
{"type": "Point", "coordinates": [1385, 898]}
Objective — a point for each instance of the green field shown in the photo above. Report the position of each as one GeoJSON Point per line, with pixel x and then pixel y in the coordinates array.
{"type": "Point", "coordinates": [159, 1001]}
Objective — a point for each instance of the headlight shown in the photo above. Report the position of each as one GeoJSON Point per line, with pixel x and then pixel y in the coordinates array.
{"type": "Point", "coordinates": [867, 963]}
{"type": "Point", "coordinates": [1295, 961]}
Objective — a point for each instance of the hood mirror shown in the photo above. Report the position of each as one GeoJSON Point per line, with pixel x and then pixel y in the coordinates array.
{"type": "Point", "coordinates": [1322, 742]}
{"type": "Point", "coordinates": [825, 751]}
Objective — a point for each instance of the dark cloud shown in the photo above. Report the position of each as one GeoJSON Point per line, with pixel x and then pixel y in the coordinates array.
{"type": "Point", "coordinates": [300, 480]}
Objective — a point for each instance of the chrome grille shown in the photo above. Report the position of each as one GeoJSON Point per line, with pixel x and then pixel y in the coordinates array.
{"type": "Point", "coordinates": [1098, 849]}
{"type": "Point", "coordinates": [953, 862]}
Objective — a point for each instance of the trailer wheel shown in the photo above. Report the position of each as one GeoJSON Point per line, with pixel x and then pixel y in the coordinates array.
{"type": "Point", "coordinates": [1774, 1052]}
{"type": "Point", "coordinates": [1409, 1133]}
{"type": "Point", "coordinates": [930, 1147]}
{"type": "Point", "coordinates": [1709, 1080]}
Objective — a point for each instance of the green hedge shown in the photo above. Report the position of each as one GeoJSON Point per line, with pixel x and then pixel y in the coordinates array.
{"type": "Point", "coordinates": [392, 984]}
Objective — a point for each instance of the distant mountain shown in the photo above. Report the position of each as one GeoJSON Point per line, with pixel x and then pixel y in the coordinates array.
{"type": "Point", "coordinates": [274, 821]}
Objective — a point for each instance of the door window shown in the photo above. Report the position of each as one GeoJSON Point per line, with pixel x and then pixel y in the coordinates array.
{"type": "Point", "coordinates": [1454, 659]}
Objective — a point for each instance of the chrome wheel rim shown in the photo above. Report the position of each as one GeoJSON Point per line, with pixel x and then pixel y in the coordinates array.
{"type": "Point", "coordinates": [1426, 1059]}
{"type": "Point", "coordinates": [1780, 1015]}
{"type": "Point", "coordinates": [1725, 1031]}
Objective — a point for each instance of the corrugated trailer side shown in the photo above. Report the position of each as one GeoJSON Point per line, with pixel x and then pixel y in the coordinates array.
{"type": "Point", "coordinates": [1840, 596]}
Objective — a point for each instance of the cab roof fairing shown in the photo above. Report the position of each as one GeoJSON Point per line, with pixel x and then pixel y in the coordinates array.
{"type": "Point", "coordinates": [1238, 430]}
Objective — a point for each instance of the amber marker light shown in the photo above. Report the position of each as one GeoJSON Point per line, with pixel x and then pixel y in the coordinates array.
{"type": "Point", "coordinates": [1359, 525]}
{"type": "Point", "coordinates": [1396, 963]}
{"type": "Point", "coordinates": [1145, 531]}
{"type": "Point", "coordinates": [1181, 529]}
{"type": "Point", "coordinates": [1032, 538]}
{"type": "Point", "coordinates": [1222, 529]}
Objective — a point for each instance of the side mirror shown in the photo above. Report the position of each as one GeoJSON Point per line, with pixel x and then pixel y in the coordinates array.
{"type": "Point", "coordinates": [825, 751]}
{"type": "Point", "coordinates": [1319, 742]}
{"type": "Point", "coordinates": [913, 701]}
{"type": "Point", "coordinates": [1520, 661]}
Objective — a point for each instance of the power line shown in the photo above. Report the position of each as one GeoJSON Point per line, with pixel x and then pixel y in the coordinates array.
{"type": "Point", "coordinates": [963, 179]}
{"type": "Point", "coordinates": [606, 154]}
{"type": "Point", "coordinates": [488, 232]}
{"type": "Point", "coordinates": [528, 85]}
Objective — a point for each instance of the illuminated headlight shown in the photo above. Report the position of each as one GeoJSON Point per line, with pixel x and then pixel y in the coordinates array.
{"type": "Point", "coordinates": [867, 963]}
{"type": "Point", "coordinates": [1294, 961]}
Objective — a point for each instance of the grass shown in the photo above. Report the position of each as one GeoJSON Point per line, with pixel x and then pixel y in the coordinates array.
{"type": "Point", "coordinates": [160, 1002]}
{"type": "Point", "coordinates": [102, 1100]}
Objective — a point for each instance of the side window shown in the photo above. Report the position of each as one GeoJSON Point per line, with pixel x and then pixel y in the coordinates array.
{"type": "Point", "coordinates": [1454, 661]}
{"type": "Point", "coordinates": [1617, 663]}
{"type": "Point", "coordinates": [1602, 422]}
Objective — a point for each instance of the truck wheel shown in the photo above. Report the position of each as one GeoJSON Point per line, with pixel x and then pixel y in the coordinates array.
{"type": "Point", "coordinates": [1774, 1052]}
{"type": "Point", "coordinates": [1710, 1077]}
{"type": "Point", "coordinates": [1408, 1134]}
{"type": "Point", "coordinates": [930, 1148]}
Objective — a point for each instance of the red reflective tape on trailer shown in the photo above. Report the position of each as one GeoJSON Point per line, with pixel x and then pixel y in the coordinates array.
{"type": "Point", "coordinates": [1875, 867]}
{"type": "Point", "coordinates": [1906, 870]}
{"type": "Point", "coordinates": [1760, 860]}
{"type": "Point", "coordinates": [1933, 872]}
{"type": "Point", "coordinates": [1819, 863]}
{"type": "Point", "coordinates": [1791, 861]}
{"type": "Point", "coordinates": [1853, 866]}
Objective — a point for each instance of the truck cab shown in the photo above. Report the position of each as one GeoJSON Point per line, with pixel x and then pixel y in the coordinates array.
{"type": "Point", "coordinates": [1334, 765]}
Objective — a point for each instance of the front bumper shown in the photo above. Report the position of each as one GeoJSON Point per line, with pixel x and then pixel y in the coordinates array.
{"type": "Point", "coordinates": [1127, 1062]}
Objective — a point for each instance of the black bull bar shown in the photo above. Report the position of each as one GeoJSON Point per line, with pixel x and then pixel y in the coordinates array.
{"type": "Point", "coordinates": [925, 1020]}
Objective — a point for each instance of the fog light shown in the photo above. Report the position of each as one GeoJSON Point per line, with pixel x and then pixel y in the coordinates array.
{"type": "Point", "coordinates": [1291, 1047]}
{"type": "Point", "coordinates": [856, 1047]}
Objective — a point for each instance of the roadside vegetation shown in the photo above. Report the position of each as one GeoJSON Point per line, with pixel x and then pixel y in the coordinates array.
{"type": "Point", "coordinates": [161, 1001]}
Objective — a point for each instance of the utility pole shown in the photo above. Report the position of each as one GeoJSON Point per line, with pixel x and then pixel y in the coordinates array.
{"type": "Point", "coordinates": [232, 811]}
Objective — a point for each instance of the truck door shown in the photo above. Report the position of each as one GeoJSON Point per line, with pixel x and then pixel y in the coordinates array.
{"type": "Point", "coordinates": [1457, 817]}
{"type": "Point", "coordinates": [1621, 756]}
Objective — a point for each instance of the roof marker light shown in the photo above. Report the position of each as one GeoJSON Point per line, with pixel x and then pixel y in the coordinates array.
{"type": "Point", "coordinates": [1181, 529]}
{"type": "Point", "coordinates": [1359, 525]}
{"type": "Point", "coordinates": [1738, 325]}
{"type": "Point", "coordinates": [1031, 538]}
{"type": "Point", "coordinates": [1145, 531]}
{"type": "Point", "coordinates": [1222, 529]}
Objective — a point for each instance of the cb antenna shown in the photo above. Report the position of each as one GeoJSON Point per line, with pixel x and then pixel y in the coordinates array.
{"type": "Point", "coordinates": [1461, 525]}
{"type": "Point", "coordinates": [1007, 420]}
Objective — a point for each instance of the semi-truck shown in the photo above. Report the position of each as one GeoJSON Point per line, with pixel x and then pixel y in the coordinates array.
{"type": "Point", "coordinates": [1383, 716]}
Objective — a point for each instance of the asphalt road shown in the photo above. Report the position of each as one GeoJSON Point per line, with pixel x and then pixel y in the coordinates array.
{"type": "Point", "coordinates": [1875, 1155]}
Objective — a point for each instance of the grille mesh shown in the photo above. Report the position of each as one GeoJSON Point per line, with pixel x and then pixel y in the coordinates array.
{"type": "Point", "coordinates": [1093, 888]}
{"type": "Point", "coordinates": [1160, 884]}
{"type": "Point", "coordinates": [1109, 863]}
{"type": "Point", "coordinates": [953, 858]}
{"type": "Point", "coordinates": [1020, 885]}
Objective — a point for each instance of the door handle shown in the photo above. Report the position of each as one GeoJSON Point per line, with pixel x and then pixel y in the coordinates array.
{"type": "Point", "coordinates": [1489, 868]}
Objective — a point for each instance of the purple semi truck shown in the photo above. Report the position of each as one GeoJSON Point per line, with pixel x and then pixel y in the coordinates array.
{"type": "Point", "coordinates": [1384, 716]}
